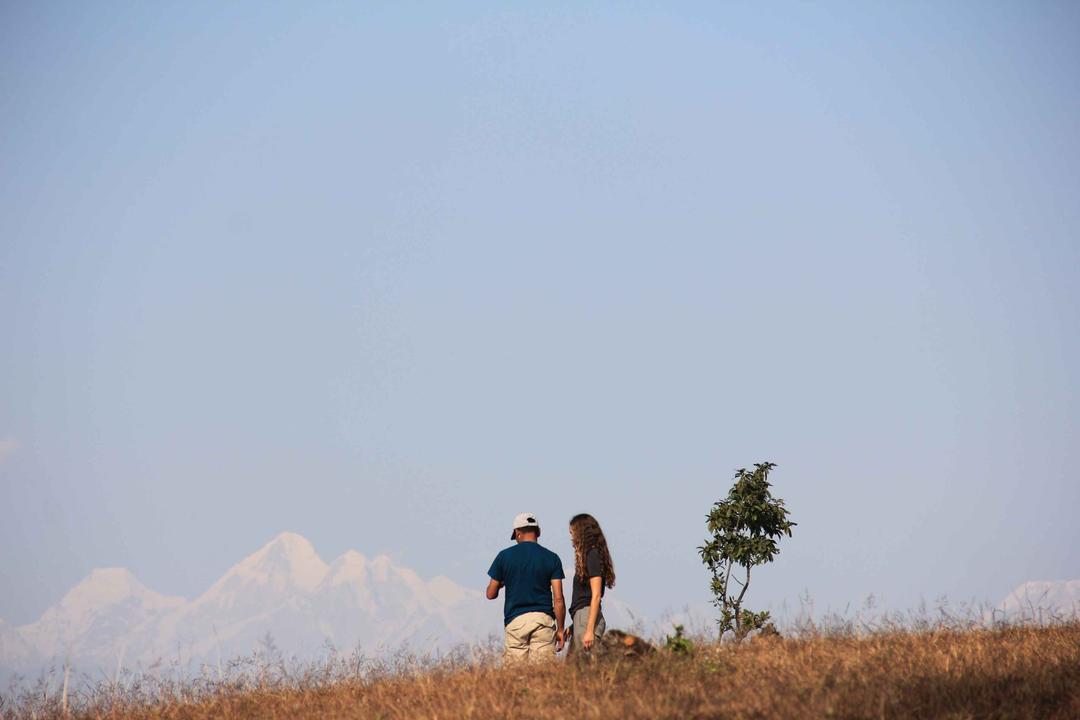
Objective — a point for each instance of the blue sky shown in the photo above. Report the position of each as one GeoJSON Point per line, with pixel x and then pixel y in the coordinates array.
{"type": "Point", "coordinates": [387, 275]}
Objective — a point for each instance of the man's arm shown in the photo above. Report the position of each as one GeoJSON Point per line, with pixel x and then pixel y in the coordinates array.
{"type": "Point", "coordinates": [559, 603]}
{"type": "Point", "coordinates": [495, 572]}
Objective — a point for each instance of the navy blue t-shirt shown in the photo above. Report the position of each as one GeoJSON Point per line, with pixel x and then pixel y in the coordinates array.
{"type": "Point", "coordinates": [526, 571]}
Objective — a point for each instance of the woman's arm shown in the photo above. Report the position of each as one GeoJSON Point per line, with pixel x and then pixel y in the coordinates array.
{"type": "Point", "coordinates": [596, 584]}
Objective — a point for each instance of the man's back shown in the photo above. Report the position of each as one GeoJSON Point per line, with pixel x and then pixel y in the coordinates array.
{"type": "Point", "coordinates": [526, 570]}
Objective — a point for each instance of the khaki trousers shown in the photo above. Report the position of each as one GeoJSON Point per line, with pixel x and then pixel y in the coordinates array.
{"type": "Point", "coordinates": [531, 636]}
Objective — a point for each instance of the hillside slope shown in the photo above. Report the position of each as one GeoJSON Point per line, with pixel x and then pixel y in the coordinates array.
{"type": "Point", "coordinates": [1019, 672]}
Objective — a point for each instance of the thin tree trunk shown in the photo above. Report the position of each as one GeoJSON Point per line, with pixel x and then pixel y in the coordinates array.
{"type": "Point", "coordinates": [738, 603]}
{"type": "Point", "coordinates": [727, 578]}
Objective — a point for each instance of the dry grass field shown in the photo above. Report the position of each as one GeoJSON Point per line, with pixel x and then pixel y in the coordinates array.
{"type": "Point", "coordinates": [1019, 672]}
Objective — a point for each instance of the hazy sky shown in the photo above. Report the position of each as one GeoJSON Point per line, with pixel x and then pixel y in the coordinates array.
{"type": "Point", "coordinates": [387, 276]}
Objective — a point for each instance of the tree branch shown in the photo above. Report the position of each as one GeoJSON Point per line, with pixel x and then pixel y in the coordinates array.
{"type": "Point", "coordinates": [744, 585]}
{"type": "Point", "coordinates": [738, 601]}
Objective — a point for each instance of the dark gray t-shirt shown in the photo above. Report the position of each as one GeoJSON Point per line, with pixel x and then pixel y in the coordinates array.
{"type": "Point", "coordinates": [582, 592]}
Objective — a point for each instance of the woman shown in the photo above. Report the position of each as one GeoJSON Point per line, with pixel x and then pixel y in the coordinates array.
{"type": "Point", "coordinates": [593, 571]}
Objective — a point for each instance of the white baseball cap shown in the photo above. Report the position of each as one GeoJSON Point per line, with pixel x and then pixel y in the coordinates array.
{"type": "Point", "coordinates": [524, 520]}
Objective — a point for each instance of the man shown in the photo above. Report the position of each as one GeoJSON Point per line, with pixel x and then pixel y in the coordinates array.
{"type": "Point", "coordinates": [534, 608]}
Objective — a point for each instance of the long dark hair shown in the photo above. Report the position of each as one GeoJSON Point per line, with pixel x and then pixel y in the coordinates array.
{"type": "Point", "coordinates": [586, 535]}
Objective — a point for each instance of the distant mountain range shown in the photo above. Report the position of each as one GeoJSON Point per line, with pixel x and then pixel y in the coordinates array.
{"type": "Point", "coordinates": [284, 590]}
{"type": "Point", "coordinates": [1041, 601]}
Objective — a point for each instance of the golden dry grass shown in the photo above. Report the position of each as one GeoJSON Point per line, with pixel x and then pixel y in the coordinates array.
{"type": "Point", "coordinates": [1008, 673]}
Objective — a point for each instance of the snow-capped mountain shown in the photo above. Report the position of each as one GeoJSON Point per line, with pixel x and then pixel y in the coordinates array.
{"type": "Point", "coordinates": [97, 617]}
{"type": "Point", "coordinates": [1041, 601]}
{"type": "Point", "coordinates": [284, 590]}
{"type": "Point", "coordinates": [13, 649]}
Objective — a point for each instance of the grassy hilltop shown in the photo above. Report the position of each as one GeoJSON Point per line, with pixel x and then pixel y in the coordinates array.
{"type": "Point", "coordinates": [1019, 672]}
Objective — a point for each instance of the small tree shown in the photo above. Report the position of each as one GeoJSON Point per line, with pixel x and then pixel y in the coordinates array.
{"type": "Point", "coordinates": [745, 528]}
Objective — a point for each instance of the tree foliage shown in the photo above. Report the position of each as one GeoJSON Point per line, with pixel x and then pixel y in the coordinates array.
{"type": "Point", "coordinates": [679, 643]}
{"type": "Point", "coordinates": [745, 528]}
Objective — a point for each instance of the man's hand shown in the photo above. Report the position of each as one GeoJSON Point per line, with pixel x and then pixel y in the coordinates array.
{"type": "Point", "coordinates": [588, 639]}
{"type": "Point", "coordinates": [560, 640]}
